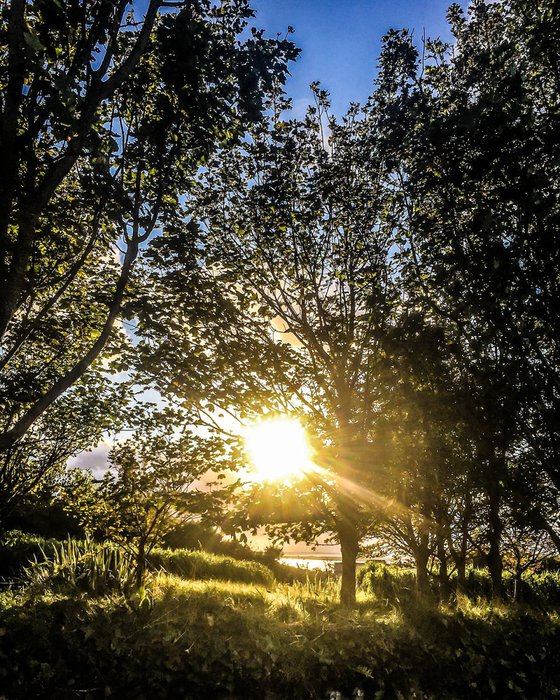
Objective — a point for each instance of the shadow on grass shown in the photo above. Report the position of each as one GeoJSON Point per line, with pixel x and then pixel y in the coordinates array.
{"type": "Point", "coordinates": [193, 639]}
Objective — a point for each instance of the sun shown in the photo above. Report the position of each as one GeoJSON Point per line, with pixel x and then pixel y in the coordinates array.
{"type": "Point", "coordinates": [278, 449]}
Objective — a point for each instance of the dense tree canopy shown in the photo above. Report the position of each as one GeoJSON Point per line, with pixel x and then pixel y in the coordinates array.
{"type": "Point", "coordinates": [302, 224]}
{"type": "Point", "coordinates": [106, 117]}
{"type": "Point", "coordinates": [476, 153]}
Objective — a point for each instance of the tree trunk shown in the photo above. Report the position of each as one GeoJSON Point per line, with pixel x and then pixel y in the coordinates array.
{"type": "Point", "coordinates": [16, 432]}
{"type": "Point", "coordinates": [443, 575]}
{"type": "Point", "coordinates": [542, 523]}
{"type": "Point", "coordinates": [140, 572]}
{"type": "Point", "coordinates": [349, 543]}
{"type": "Point", "coordinates": [422, 550]}
{"type": "Point", "coordinates": [422, 582]}
{"type": "Point", "coordinates": [517, 584]}
{"type": "Point", "coordinates": [461, 560]}
{"type": "Point", "coordinates": [495, 564]}
{"type": "Point", "coordinates": [461, 564]}
{"type": "Point", "coordinates": [347, 509]}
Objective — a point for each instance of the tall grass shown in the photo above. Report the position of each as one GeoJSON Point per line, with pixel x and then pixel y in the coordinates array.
{"type": "Point", "coordinates": [86, 566]}
{"type": "Point", "coordinates": [218, 639]}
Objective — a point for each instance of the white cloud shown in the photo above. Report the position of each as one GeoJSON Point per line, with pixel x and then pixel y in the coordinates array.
{"type": "Point", "coordinates": [95, 460]}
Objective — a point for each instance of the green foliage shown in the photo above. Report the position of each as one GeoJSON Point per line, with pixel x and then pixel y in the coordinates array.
{"type": "Point", "coordinates": [392, 584]}
{"type": "Point", "coordinates": [93, 98]}
{"type": "Point", "coordinates": [397, 585]}
{"type": "Point", "coordinates": [540, 588]}
{"type": "Point", "coordinates": [39, 460]}
{"type": "Point", "coordinates": [300, 281]}
{"type": "Point", "coordinates": [472, 129]}
{"type": "Point", "coordinates": [230, 631]}
{"type": "Point", "coordinates": [393, 280]}
{"type": "Point", "coordinates": [160, 477]}
{"type": "Point", "coordinates": [18, 549]}
{"type": "Point", "coordinates": [24, 556]}
{"type": "Point", "coordinates": [198, 536]}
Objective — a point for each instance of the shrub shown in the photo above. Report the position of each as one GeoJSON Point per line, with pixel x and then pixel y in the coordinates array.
{"type": "Point", "coordinates": [396, 584]}
{"type": "Point", "coordinates": [203, 565]}
{"type": "Point", "coordinates": [390, 583]}
{"type": "Point", "coordinates": [18, 549]}
{"type": "Point", "coordinates": [542, 588]}
{"type": "Point", "coordinates": [478, 584]}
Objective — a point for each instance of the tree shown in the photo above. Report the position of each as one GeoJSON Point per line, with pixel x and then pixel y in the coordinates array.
{"type": "Point", "coordinates": [298, 254]}
{"type": "Point", "coordinates": [390, 279]}
{"type": "Point", "coordinates": [472, 130]}
{"type": "Point", "coordinates": [157, 479]}
{"type": "Point", "coordinates": [524, 549]}
{"type": "Point", "coordinates": [106, 115]}
{"type": "Point", "coordinates": [76, 422]}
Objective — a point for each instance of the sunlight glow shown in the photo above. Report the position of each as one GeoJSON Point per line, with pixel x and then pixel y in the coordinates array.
{"type": "Point", "coordinates": [278, 450]}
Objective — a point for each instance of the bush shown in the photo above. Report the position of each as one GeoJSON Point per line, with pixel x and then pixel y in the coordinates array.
{"type": "Point", "coordinates": [18, 549]}
{"type": "Point", "coordinates": [478, 584]}
{"type": "Point", "coordinates": [203, 565]}
{"type": "Point", "coordinates": [391, 583]}
{"type": "Point", "coordinates": [396, 584]}
{"type": "Point", "coordinates": [541, 589]}
{"type": "Point", "coordinates": [94, 566]}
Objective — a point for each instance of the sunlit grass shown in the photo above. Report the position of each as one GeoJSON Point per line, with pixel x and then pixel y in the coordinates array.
{"type": "Point", "coordinates": [165, 585]}
{"type": "Point", "coordinates": [222, 628]}
{"type": "Point", "coordinates": [316, 599]}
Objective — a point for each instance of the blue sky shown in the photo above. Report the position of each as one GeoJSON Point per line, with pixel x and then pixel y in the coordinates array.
{"type": "Point", "coordinates": [341, 39]}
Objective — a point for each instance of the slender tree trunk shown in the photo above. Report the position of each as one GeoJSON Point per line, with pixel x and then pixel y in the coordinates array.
{"type": "Point", "coordinates": [9, 174]}
{"type": "Point", "coordinates": [422, 549]}
{"type": "Point", "coordinates": [461, 564]}
{"type": "Point", "coordinates": [15, 276]}
{"type": "Point", "coordinates": [443, 575]}
{"type": "Point", "coordinates": [495, 564]}
{"type": "Point", "coordinates": [11, 436]}
{"type": "Point", "coordinates": [517, 583]}
{"type": "Point", "coordinates": [347, 510]}
{"type": "Point", "coordinates": [349, 543]}
{"type": "Point", "coordinates": [421, 557]}
{"type": "Point", "coordinates": [140, 565]}
{"type": "Point", "coordinates": [459, 557]}
{"type": "Point", "coordinates": [14, 259]}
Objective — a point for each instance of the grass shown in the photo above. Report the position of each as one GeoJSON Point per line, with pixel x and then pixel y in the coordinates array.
{"type": "Point", "coordinates": [213, 639]}
{"type": "Point", "coordinates": [210, 637]}
{"type": "Point", "coordinates": [203, 565]}
{"type": "Point", "coordinates": [83, 561]}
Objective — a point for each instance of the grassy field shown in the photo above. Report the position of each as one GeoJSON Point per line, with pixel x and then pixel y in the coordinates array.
{"type": "Point", "coordinates": [213, 638]}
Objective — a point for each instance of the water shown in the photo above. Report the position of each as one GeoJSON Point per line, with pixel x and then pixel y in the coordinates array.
{"type": "Point", "coordinates": [320, 562]}
{"type": "Point", "coordinates": [311, 563]}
